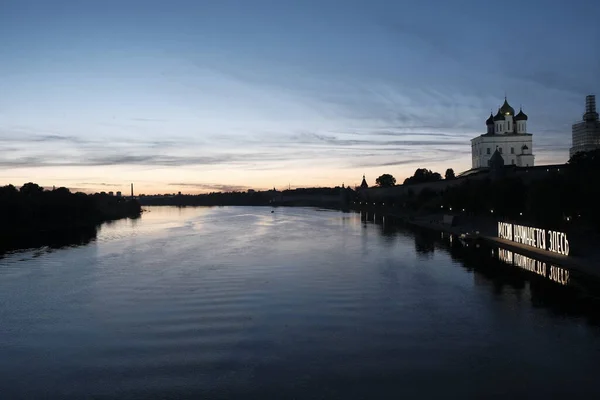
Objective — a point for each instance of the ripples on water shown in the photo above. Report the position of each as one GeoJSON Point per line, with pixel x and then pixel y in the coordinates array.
{"type": "Point", "coordinates": [239, 302]}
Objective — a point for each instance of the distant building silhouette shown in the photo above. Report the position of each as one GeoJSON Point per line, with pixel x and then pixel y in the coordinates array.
{"type": "Point", "coordinates": [586, 134]}
{"type": "Point", "coordinates": [507, 133]}
{"type": "Point", "coordinates": [363, 184]}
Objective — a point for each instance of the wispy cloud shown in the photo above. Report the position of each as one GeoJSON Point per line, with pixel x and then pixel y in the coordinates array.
{"type": "Point", "coordinates": [258, 151]}
{"type": "Point", "coordinates": [213, 187]}
{"type": "Point", "coordinates": [84, 184]}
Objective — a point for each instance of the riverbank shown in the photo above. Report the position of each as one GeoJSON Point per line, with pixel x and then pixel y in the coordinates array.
{"type": "Point", "coordinates": [470, 228]}
{"type": "Point", "coordinates": [52, 236]}
{"type": "Point", "coordinates": [36, 218]}
{"type": "Point", "coordinates": [56, 237]}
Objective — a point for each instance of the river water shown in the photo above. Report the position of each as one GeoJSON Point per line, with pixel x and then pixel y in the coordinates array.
{"type": "Point", "coordinates": [237, 302]}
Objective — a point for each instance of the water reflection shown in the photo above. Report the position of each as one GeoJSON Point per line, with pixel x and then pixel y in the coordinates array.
{"type": "Point", "coordinates": [296, 304]}
{"type": "Point", "coordinates": [539, 267]}
{"type": "Point", "coordinates": [562, 291]}
{"type": "Point", "coordinates": [49, 240]}
{"type": "Point", "coordinates": [423, 244]}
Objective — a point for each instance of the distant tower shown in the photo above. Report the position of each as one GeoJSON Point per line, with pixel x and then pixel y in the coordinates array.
{"type": "Point", "coordinates": [586, 134]}
{"type": "Point", "coordinates": [521, 122]}
{"type": "Point", "coordinates": [496, 165]}
{"type": "Point", "coordinates": [363, 184]}
{"type": "Point", "coordinates": [590, 108]}
{"type": "Point", "coordinates": [132, 190]}
{"type": "Point", "coordinates": [490, 124]}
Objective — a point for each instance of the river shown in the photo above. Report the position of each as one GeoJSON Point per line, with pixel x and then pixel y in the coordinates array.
{"type": "Point", "coordinates": [239, 302]}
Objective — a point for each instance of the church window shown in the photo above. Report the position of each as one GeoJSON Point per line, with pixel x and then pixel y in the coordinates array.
{"type": "Point", "coordinates": [512, 162]}
{"type": "Point", "coordinates": [508, 122]}
{"type": "Point", "coordinates": [488, 150]}
{"type": "Point", "coordinates": [500, 150]}
{"type": "Point", "coordinates": [512, 150]}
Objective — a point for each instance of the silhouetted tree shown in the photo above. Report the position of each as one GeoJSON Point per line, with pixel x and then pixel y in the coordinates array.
{"type": "Point", "coordinates": [8, 190]}
{"type": "Point", "coordinates": [385, 180]}
{"type": "Point", "coordinates": [61, 191]}
{"type": "Point", "coordinates": [450, 174]}
{"type": "Point", "coordinates": [31, 210]}
{"type": "Point", "coordinates": [31, 189]}
{"type": "Point", "coordinates": [588, 159]}
{"type": "Point", "coordinates": [423, 175]}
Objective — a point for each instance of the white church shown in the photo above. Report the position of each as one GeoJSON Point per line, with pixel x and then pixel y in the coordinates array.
{"type": "Point", "coordinates": [507, 134]}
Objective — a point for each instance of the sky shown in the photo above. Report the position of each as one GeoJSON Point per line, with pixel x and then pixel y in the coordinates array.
{"type": "Point", "coordinates": [201, 95]}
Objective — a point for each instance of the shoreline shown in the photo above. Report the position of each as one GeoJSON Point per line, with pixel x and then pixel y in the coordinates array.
{"type": "Point", "coordinates": [583, 265]}
{"type": "Point", "coordinates": [57, 236]}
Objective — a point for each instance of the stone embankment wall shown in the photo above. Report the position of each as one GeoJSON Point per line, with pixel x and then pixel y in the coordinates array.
{"type": "Point", "coordinates": [526, 174]}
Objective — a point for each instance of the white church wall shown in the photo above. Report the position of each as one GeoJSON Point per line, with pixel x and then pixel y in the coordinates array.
{"type": "Point", "coordinates": [504, 143]}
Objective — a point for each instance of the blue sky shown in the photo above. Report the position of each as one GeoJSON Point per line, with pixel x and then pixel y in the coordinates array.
{"type": "Point", "coordinates": [209, 95]}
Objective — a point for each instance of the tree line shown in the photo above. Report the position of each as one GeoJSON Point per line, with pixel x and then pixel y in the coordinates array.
{"type": "Point", "coordinates": [250, 198]}
{"type": "Point", "coordinates": [32, 208]}
{"type": "Point", "coordinates": [421, 175]}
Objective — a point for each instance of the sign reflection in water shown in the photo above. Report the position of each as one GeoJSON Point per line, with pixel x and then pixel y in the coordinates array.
{"type": "Point", "coordinates": [548, 271]}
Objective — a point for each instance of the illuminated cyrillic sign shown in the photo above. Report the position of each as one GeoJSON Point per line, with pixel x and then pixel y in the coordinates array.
{"type": "Point", "coordinates": [554, 273]}
{"type": "Point", "coordinates": [552, 241]}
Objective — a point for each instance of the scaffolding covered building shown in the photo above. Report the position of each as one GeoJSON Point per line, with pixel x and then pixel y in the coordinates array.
{"type": "Point", "coordinates": [586, 134]}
